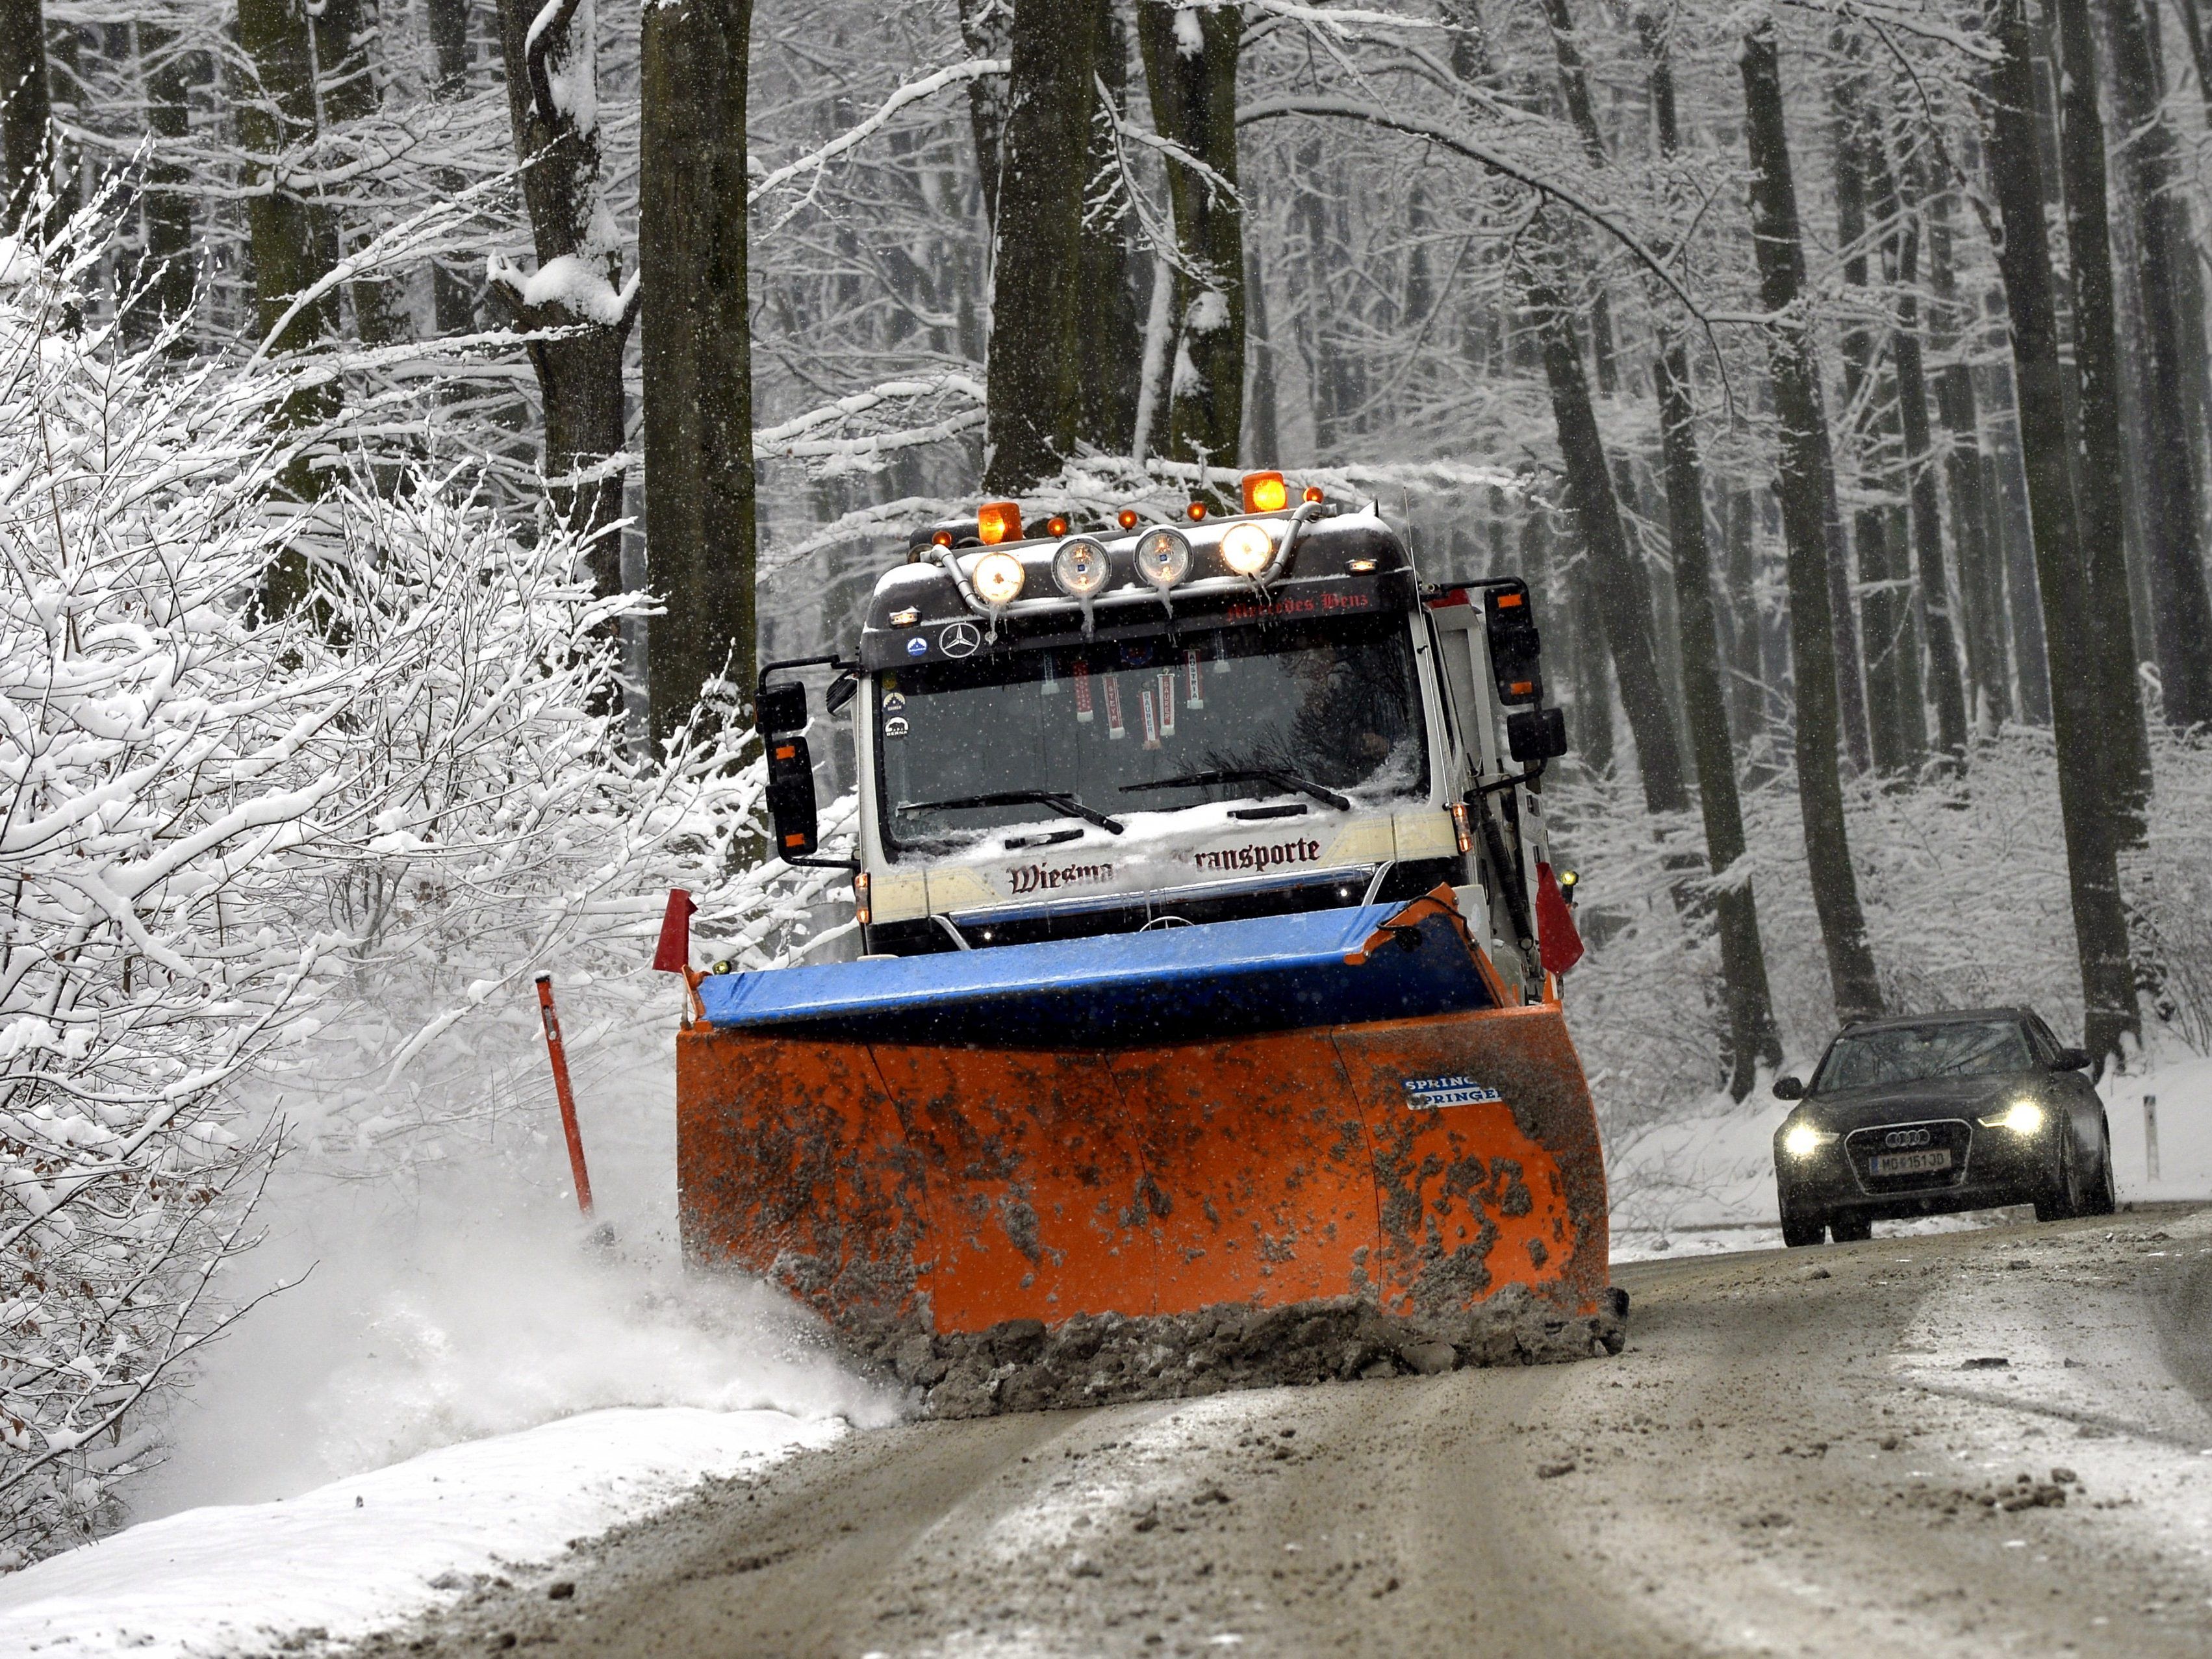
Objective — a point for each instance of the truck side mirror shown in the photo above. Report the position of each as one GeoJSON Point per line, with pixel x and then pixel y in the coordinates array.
{"type": "Point", "coordinates": [791, 793]}
{"type": "Point", "coordinates": [1536, 734]}
{"type": "Point", "coordinates": [782, 707]}
{"type": "Point", "coordinates": [1515, 649]}
{"type": "Point", "coordinates": [2071, 1059]}
{"type": "Point", "coordinates": [1789, 1088]}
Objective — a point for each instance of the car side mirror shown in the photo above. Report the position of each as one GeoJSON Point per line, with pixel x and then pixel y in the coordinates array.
{"type": "Point", "coordinates": [1789, 1088]}
{"type": "Point", "coordinates": [791, 796]}
{"type": "Point", "coordinates": [1536, 734]}
{"type": "Point", "coordinates": [2071, 1060]}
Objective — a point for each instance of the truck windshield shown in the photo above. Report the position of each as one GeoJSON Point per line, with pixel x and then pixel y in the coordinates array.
{"type": "Point", "coordinates": [1331, 710]}
{"type": "Point", "coordinates": [1912, 1053]}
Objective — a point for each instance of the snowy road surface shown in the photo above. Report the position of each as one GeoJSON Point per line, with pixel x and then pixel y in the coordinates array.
{"type": "Point", "coordinates": [1859, 1449]}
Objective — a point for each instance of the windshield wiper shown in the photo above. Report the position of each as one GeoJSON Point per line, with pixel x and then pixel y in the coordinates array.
{"type": "Point", "coordinates": [1064, 803]}
{"type": "Point", "coordinates": [1274, 774]}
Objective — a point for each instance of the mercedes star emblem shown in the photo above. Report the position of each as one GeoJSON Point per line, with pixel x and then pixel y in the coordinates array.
{"type": "Point", "coordinates": [960, 640]}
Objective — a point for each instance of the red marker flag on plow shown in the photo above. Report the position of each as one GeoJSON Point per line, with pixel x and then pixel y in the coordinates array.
{"type": "Point", "coordinates": [674, 954]}
{"type": "Point", "coordinates": [1558, 943]}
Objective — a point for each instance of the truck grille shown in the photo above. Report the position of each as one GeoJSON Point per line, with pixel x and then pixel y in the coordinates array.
{"type": "Point", "coordinates": [1903, 1140]}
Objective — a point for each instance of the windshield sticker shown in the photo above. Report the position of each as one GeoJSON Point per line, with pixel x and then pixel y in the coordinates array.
{"type": "Point", "coordinates": [1114, 727]}
{"type": "Point", "coordinates": [1195, 686]}
{"type": "Point", "coordinates": [962, 639]}
{"type": "Point", "coordinates": [1045, 879]}
{"type": "Point", "coordinates": [894, 701]}
{"type": "Point", "coordinates": [914, 647]}
{"type": "Point", "coordinates": [1051, 687]}
{"type": "Point", "coordinates": [1151, 719]}
{"type": "Point", "coordinates": [1264, 856]}
{"type": "Point", "coordinates": [1425, 1094]}
{"type": "Point", "coordinates": [1166, 689]}
{"type": "Point", "coordinates": [1298, 604]}
{"type": "Point", "coordinates": [896, 727]}
{"type": "Point", "coordinates": [1082, 690]}
{"type": "Point", "coordinates": [1220, 653]}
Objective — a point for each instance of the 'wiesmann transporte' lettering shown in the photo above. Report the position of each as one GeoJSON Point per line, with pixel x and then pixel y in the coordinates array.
{"type": "Point", "coordinates": [1266, 857]}
{"type": "Point", "coordinates": [1042, 879]}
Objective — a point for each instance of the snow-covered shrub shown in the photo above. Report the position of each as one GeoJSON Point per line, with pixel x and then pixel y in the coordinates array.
{"type": "Point", "coordinates": [225, 832]}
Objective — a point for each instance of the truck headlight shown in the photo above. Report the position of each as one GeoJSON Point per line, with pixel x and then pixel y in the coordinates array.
{"type": "Point", "coordinates": [1163, 557]}
{"type": "Point", "coordinates": [2023, 1117]}
{"type": "Point", "coordinates": [998, 578]}
{"type": "Point", "coordinates": [1080, 566]}
{"type": "Point", "coordinates": [1247, 549]}
{"type": "Point", "coordinates": [1803, 1140]}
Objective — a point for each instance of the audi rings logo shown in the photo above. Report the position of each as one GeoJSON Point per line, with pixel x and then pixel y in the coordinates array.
{"type": "Point", "coordinates": [1907, 1138]}
{"type": "Point", "coordinates": [960, 640]}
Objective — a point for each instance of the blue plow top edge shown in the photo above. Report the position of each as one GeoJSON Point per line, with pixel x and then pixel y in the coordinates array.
{"type": "Point", "coordinates": [1167, 985]}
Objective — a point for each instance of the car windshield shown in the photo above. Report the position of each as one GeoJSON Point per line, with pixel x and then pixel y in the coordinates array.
{"type": "Point", "coordinates": [1909, 1053]}
{"type": "Point", "coordinates": [1331, 711]}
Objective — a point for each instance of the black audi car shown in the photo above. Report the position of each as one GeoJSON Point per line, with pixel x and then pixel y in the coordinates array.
{"type": "Point", "coordinates": [1930, 1114]}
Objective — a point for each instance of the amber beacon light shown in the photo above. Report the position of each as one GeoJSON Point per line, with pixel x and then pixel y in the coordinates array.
{"type": "Point", "coordinates": [999, 521]}
{"type": "Point", "coordinates": [1266, 492]}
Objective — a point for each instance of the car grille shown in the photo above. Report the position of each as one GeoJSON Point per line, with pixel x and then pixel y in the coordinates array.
{"type": "Point", "coordinates": [1864, 1146]}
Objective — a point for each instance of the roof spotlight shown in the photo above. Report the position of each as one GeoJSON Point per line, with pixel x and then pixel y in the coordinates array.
{"type": "Point", "coordinates": [1162, 556]}
{"type": "Point", "coordinates": [1247, 548]}
{"type": "Point", "coordinates": [998, 578]}
{"type": "Point", "coordinates": [1080, 566]}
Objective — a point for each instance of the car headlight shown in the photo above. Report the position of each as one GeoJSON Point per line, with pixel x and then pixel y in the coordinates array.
{"type": "Point", "coordinates": [1803, 1140]}
{"type": "Point", "coordinates": [1247, 549]}
{"type": "Point", "coordinates": [2022, 1117]}
{"type": "Point", "coordinates": [998, 578]}
{"type": "Point", "coordinates": [1163, 557]}
{"type": "Point", "coordinates": [1080, 566]}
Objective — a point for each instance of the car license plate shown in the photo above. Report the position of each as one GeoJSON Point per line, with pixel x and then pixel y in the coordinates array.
{"type": "Point", "coordinates": [1897, 1164]}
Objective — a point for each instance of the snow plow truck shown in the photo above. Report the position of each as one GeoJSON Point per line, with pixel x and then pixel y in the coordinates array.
{"type": "Point", "coordinates": [1206, 1029]}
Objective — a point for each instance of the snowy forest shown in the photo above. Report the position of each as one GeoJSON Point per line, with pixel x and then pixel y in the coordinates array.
{"type": "Point", "coordinates": [423, 415]}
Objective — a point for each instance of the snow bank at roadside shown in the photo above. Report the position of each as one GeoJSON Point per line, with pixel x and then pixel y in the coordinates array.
{"type": "Point", "coordinates": [364, 1552]}
{"type": "Point", "coordinates": [1704, 1181]}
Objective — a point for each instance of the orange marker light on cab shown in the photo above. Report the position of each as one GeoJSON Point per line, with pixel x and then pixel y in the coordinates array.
{"type": "Point", "coordinates": [1196, 511]}
{"type": "Point", "coordinates": [1314, 493]}
{"type": "Point", "coordinates": [1126, 518]}
{"type": "Point", "coordinates": [1055, 526]}
{"type": "Point", "coordinates": [999, 521]}
{"type": "Point", "coordinates": [1266, 492]}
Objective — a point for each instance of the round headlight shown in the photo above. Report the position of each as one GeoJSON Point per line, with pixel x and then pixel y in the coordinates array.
{"type": "Point", "coordinates": [1802, 1141]}
{"type": "Point", "coordinates": [1247, 549]}
{"type": "Point", "coordinates": [998, 578]}
{"type": "Point", "coordinates": [1163, 557]}
{"type": "Point", "coordinates": [1080, 566]}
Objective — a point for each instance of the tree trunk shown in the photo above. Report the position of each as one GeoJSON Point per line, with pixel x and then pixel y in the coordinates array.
{"type": "Point", "coordinates": [697, 356]}
{"type": "Point", "coordinates": [551, 96]}
{"type": "Point", "coordinates": [2081, 722]}
{"type": "Point", "coordinates": [1981, 582]}
{"type": "Point", "coordinates": [1574, 93]}
{"type": "Point", "coordinates": [1039, 320]}
{"type": "Point", "coordinates": [2100, 480]}
{"type": "Point", "coordinates": [1881, 611]}
{"type": "Point", "coordinates": [1190, 67]}
{"type": "Point", "coordinates": [2182, 618]}
{"type": "Point", "coordinates": [27, 115]}
{"type": "Point", "coordinates": [1804, 486]}
{"type": "Point", "coordinates": [165, 210]}
{"type": "Point", "coordinates": [1263, 440]}
{"type": "Point", "coordinates": [452, 291]}
{"type": "Point", "coordinates": [987, 30]}
{"type": "Point", "coordinates": [1927, 512]}
{"type": "Point", "coordinates": [1752, 1036]}
{"type": "Point", "coordinates": [1622, 601]}
{"type": "Point", "coordinates": [1113, 325]}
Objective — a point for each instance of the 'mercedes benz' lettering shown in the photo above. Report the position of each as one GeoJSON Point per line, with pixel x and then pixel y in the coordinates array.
{"type": "Point", "coordinates": [1044, 877]}
{"type": "Point", "coordinates": [1267, 856]}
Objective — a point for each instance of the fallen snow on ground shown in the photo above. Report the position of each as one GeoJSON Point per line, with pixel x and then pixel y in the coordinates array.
{"type": "Point", "coordinates": [364, 1552]}
{"type": "Point", "coordinates": [1704, 1181]}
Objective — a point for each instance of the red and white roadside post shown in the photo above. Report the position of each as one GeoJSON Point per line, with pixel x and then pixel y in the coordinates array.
{"type": "Point", "coordinates": [568, 1096]}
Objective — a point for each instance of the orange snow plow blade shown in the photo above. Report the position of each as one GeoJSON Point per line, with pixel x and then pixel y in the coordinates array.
{"type": "Point", "coordinates": [1301, 1111]}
